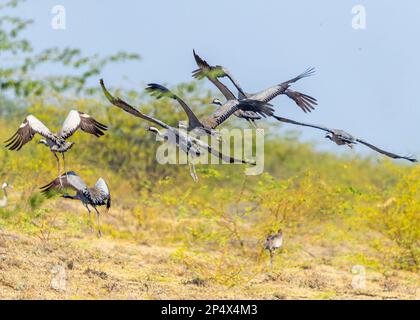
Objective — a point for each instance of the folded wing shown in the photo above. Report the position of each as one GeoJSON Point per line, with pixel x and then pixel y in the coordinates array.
{"type": "Point", "coordinates": [100, 193]}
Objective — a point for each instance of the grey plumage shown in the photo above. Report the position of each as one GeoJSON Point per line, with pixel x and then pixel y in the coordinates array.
{"type": "Point", "coordinates": [305, 102]}
{"type": "Point", "coordinates": [213, 73]}
{"type": "Point", "coordinates": [98, 195]}
{"type": "Point", "coordinates": [55, 141]}
{"type": "Point", "coordinates": [273, 242]}
{"type": "Point", "coordinates": [341, 137]}
{"type": "Point", "coordinates": [206, 125]}
{"type": "Point", "coordinates": [190, 145]}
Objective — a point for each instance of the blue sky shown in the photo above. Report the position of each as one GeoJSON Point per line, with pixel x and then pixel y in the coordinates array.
{"type": "Point", "coordinates": [366, 80]}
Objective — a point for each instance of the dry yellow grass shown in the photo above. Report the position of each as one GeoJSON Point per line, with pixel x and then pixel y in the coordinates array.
{"type": "Point", "coordinates": [167, 237]}
{"type": "Point", "coordinates": [112, 268]}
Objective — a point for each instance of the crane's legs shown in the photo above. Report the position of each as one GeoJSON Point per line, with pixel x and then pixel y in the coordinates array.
{"type": "Point", "coordinates": [252, 122]}
{"type": "Point", "coordinates": [90, 217]}
{"type": "Point", "coordinates": [191, 166]}
{"type": "Point", "coordinates": [64, 164]}
{"type": "Point", "coordinates": [217, 135]}
{"type": "Point", "coordinates": [271, 258]}
{"type": "Point", "coordinates": [99, 222]}
{"type": "Point", "coordinates": [58, 163]}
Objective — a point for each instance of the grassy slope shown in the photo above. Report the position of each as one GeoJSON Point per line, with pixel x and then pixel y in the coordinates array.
{"type": "Point", "coordinates": [169, 238]}
{"type": "Point", "coordinates": [117, 268]}
{"type": "Point", "coordinates": [112, 269]}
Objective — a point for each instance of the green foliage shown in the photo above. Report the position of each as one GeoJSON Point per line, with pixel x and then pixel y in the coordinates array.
{"type": "Point", "coordinates": [396, 217]}
{"type": "Point", "coordinates": [20, 62]}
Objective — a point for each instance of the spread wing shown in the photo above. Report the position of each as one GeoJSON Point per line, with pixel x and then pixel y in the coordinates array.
{"type": "Point", "coordinates": [388, 154]}
{"type": "Point", "coordinates": [303, 101]}
{"type": "Point", "coordinates": [211, 73]}
{"type": "Point", "coordinates": [304, 124]}
{"type": "Point", "coordinates": [130, 109]}
{"type": "Point", "coordinates": [29, 127]}
{"type": "Point", "coordinates": [160, 91]}
{"type": "Point", "coordinates": [100, 193]}
{"type": "Point", "coordinates": [76, 120]}
{"type": "Point", "coordinates": [68, 181]}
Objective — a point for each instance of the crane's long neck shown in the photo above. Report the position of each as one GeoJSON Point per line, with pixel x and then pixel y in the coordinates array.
{"type": "Point", "coordinates": [67, 196]}
{"type": "Point", "coordinates": [5, 194]}
{"type": "Point", "coordinates": [3, 202]}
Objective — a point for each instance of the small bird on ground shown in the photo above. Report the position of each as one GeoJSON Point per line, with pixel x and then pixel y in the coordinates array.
{"type": "Point", "coordinates": [99, 195]}
{"type": "Point", "coordinates": [272, 243]}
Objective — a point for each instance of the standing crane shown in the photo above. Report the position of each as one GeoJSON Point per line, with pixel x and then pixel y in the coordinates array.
{"type": "Point", "coordinates": [55, 141]}
{"type": "Point", "coordinates": [99, 195]}
{"type": "Point", "coordinates": [4, 201]}
{"type": "Point", "coordinates": [192, 146]}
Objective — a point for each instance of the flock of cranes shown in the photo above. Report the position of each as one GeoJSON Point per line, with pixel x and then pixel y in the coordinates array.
{"type": "Point", "coordinates": [56, 142]}
{"type": "Point", "coordinates": [251, 107]}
